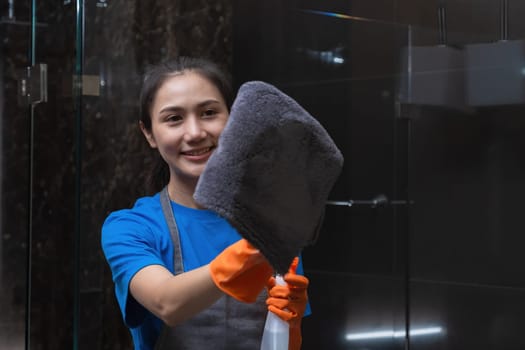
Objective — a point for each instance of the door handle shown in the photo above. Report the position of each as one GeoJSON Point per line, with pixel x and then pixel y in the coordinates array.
{"type": "Point", "coordinates": [378, 201]}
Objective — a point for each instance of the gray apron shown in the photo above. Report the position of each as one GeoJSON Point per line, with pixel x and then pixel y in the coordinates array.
{"type": "Point", "coordinates": [226, 325]}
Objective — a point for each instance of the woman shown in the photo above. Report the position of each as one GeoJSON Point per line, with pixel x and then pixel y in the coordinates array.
{"type": "Point", "coordinates": [184, 278]}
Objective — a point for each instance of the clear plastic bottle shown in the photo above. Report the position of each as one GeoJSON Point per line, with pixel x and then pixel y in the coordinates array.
{"type": "Point", "coordinates": [276, 331]}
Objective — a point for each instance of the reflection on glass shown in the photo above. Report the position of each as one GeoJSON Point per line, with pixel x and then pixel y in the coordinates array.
{"type": "Point", "coordinates": [335, 56]}
{"type": "Point", "coordinates": [337, 15]}
{"type": "Point", "coordinates": [494, 73]}
{"type": "Point", "coordinates": [393, 334]}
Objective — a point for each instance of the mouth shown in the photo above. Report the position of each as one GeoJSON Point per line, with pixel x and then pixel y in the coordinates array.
{"type": "Point", "coordinates": [197, 152]}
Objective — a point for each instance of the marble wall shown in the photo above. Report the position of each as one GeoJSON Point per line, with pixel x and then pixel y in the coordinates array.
{"type": "Point", "coordinates": [89, 157]}
{"type": "Point", "coordinates": [14, 134]}
{"type": "Point", "coordinates": [120, 41]}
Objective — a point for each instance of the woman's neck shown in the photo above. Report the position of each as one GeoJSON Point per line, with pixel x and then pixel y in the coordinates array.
{"type": "Point", "coordinates": [182, 192]}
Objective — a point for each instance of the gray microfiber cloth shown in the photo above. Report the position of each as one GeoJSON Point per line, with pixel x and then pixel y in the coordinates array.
{"type": "Point", "coordinates": [271, 173]}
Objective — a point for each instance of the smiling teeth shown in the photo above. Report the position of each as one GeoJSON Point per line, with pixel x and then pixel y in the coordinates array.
{"type": "Point", "coordinates": [198, 152]}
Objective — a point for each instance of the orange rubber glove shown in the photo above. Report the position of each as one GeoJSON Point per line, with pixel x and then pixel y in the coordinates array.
{"type": "Point", "coordinates": [241, 271]}
{"type": "Point", "coordinates": [289, 302]}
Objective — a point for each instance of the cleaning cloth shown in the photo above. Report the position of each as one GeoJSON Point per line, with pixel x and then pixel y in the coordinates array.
{"type": "Point", "coordinates": [271, 173]}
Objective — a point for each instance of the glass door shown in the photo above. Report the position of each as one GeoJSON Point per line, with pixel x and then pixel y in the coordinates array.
{"type": "Point", "coordinates": [345, 71]}
{"type": "Point", "coordinates": [39, 141]}
{"type": "Point", "coordinates": [69, 161]}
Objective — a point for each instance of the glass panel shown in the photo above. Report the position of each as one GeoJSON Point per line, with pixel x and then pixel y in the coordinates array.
{"type": "Point", "coordinates": [53, 181]}
{"type": "Point", "coordinates": [87, 154]}
{"type": "Point", "coordinates": [345, 71]}
{"type": "Point", "coordinates": [467, 184]}
{"type": "Point", "coordinates": [15, 31]}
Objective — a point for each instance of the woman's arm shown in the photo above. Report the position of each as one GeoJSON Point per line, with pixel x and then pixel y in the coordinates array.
{"type": "Point", "coordinates": [174, 298]}
{"type": "Point", "coordinates": [240, 271]}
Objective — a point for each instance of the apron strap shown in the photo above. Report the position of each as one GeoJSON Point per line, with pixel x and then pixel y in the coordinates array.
{"type": "Point", "coordinates": [165, 201]}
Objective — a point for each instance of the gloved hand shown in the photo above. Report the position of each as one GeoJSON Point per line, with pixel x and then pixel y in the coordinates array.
{"type": "Point", "coordinates": [289, 302]}
{"type": "Point", "coordinates": [241, 271]}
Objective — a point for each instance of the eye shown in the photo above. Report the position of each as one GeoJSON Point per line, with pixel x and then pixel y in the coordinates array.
{"type": "Point", "coordinates": [209, 113]}
{"type": "Point", "coordinates": [173, 118]}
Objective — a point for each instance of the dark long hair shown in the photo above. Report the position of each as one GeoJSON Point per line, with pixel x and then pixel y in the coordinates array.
{"type": "Point", "coordinates": [154, 77]}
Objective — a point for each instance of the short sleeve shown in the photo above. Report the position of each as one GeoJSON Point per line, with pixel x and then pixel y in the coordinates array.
{"type": "Point", "coordinates": [130, 242]}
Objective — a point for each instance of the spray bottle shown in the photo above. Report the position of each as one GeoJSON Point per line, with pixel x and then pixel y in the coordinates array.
{"type": "Point", "coordinates": [276, 331]}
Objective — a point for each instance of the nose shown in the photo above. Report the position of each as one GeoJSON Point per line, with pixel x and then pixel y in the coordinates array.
{"type": "Point", "coordinates": [194, 130]}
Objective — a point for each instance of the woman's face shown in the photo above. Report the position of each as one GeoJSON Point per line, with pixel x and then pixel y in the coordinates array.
{"type": "Point", "coordinates": [187, 116]}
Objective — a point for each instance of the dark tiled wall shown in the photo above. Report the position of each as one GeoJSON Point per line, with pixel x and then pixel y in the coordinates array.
{"type": "Point", "coordinates": [444, 136]}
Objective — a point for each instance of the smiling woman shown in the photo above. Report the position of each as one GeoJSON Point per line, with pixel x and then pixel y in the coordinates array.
{"type": "Point", "coordinates": [188, 114]}
{"type": "Point", "coordinates": [173, 262]}
{"type": "Point", "coordinates": [205, 72]}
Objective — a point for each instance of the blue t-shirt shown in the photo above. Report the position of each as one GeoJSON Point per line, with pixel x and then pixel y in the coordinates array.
{"type": "Point", "coordinates": [138, 237]}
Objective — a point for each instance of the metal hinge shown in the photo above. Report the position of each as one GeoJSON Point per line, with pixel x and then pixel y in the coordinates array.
{"type": "Point", "coordinates": [32, 85]}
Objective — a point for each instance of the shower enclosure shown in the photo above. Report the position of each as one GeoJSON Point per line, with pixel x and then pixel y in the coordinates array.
{"type": "Point", "coordinates": [421, 246]}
